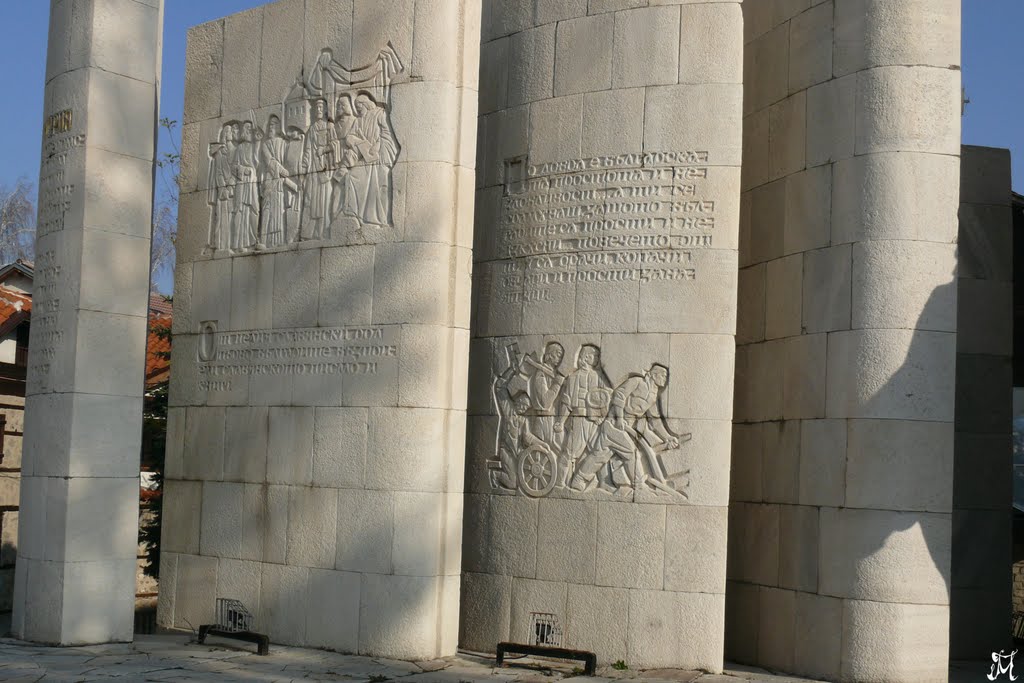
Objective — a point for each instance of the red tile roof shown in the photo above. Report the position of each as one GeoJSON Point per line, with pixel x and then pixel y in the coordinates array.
{"type": "Point", "coordinates": [158, 340]}
{"type": "Point", "coordinates": [16, 306]}
{"type": "Point", "coordinates": [159, 304]}
{"type": "Point", "coordinates": [12, 303]}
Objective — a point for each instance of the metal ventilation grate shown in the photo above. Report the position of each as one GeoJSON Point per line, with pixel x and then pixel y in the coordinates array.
{"type": "Point", "coordinates": [545, 629]}
{"type": "Point", "coordinates": [233, 616]}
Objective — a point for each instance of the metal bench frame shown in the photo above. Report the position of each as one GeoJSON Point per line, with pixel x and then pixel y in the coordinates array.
{"type": "Point", "coordinates": [589, 659]}
{"type": "Point", "coordinates": [262, 641]}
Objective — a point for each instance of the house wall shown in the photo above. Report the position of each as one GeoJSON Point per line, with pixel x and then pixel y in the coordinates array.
{"type": "Point", "coordinates": [18, 281]}
{"type": "Point", "coordinates": [9, 347]}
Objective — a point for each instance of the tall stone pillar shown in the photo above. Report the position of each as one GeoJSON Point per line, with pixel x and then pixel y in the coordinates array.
{"type": "Point", "coordinates": [601, 364]}
{"type": "Point", "coordinates": [842, 487]}
{"type": "Point", "coordinates": [78, 528]}
{"type": "Point", "coordinates": [321, 324]}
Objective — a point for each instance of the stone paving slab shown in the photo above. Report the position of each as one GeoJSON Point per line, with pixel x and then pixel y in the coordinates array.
{"type": "Point", "coordinates": [176, 657]}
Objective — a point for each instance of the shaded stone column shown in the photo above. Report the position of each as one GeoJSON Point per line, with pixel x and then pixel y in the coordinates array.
{"type": "Point", "coordinates": [78, 527]}
{"type": "Point", "coordinates": [982, 560]}
{"type": "Point", "coordinates": [601, 363]}
{"type": "Point", "coordinates": [840, 521]}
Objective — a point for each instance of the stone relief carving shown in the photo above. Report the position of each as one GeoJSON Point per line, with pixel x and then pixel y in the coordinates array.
{"type": "Point", "coordinates": [578, 431]}
{"type": "Point", "coordinates": [316, 170]}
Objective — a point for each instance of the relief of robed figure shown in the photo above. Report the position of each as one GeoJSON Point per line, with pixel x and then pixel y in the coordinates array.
{"type": "Point", "coordinates": [367, 146]}
{"type": "Point", "coordinates": [275, 186]}
{"type": "Point", "coordinates": [318, 162]}
{"type": "Point", "coordinates": [345, 121]}
{"type": "Point", "coordinates": [293, 162]}
{"type": "Point", "coordinates": [290, 183]}
{"type": "Point", "coordinates": [367, 152]}
{"type": "Point", "coordinates": [245, 222]}
{"type": "Point", "coordinates": [220, 182]}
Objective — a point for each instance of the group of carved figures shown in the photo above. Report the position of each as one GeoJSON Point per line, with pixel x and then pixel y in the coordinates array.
{"type": "Point", "coordinates": [579, 431]}
{"type": "Point", "coordinates": [274, 187]}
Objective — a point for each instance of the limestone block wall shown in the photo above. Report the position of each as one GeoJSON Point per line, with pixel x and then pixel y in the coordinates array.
{"type": "Point", "coordinates": [601, 363]}
{"type": "Point", "coordinates": [981, 600]}
{"type": "Point", "coordinates": [841, 489]}
{"type": "Point", "coordinates": [321, 323]}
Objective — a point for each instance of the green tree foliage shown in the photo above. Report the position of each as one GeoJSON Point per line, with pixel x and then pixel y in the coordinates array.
{"type": "Point", "coordinates": [154, 440]}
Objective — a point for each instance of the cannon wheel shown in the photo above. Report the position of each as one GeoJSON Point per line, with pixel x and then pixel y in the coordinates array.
{"type": "Point", "coordinates": [538, 470]}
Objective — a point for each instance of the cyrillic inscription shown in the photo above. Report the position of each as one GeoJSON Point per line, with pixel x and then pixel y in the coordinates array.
{"type": "Point", "coordinates": [632, 217]}
{"type": "Point", "coordinates": [55, 193]}
{"type": "Point", "coordinates": [49, 329]}
{"type": "Point", "coordinates": [54, 286]}
{"type": "Point", "coordinates": [223, 356]}
{"type": "Point", "coordinates": [57, 123]}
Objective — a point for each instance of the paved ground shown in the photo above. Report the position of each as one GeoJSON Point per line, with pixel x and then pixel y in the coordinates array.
{"type": "Point", "coordinates": [175, 658]}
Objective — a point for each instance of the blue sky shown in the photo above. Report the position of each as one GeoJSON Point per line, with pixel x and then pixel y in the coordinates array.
{"type": "Point", "coordinates": [993, 70]}
{"type": "Point", "coordinates": [993, 65]}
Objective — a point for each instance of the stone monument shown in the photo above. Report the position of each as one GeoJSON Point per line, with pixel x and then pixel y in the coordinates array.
{"type": "Point", "coordinates": [601, 363]}
{"type": "Point", "coordinates": [321, 323]}
{"type": "Point", "coordinates": [336, 205]}
{"type": "Point", "coordinates": [78, 522]}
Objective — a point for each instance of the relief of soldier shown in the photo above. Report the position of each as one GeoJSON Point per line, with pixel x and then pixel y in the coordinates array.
{"type": "Point", "coordinates": [579, 432]}
{"type": "Point", "coordinates": [273, 186]}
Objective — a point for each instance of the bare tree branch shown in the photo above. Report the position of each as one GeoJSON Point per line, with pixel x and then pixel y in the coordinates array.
{"type": "Point", "coordinates": [17, 222]}
{"type": "Point", "coordinates": [18, 213]}
{"type": "Point", "coordinates": [165, 212]}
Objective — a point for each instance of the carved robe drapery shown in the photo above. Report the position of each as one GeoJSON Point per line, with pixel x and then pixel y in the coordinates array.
{"type": "Point", "coordinates": [247, 199]}
{"type": "Point", "coordinates": [220, 195]}
{"type": "Point", "coordinates": [377, 148]}
{"type": "Point", "coordinates": [274, 184]}
{"type": "Point", "coordinates": [347, 156]}
{"type": "Point", "coordinates": [293, 162]}
{"type": "Point", "coordinates": [318, 165]}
